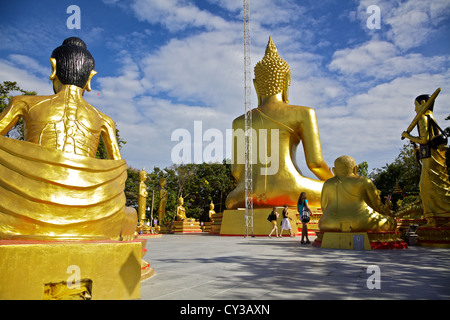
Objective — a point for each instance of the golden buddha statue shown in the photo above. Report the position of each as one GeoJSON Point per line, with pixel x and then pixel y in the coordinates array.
{"type": "Point", "coordinates": [51, 184]}
{"type": "Point", "coordinates": [434, 182]}
{"type": "Point", "coordinates": [211, 211]}
{"type": "Point", "coordinates": [181, 211]}
{"type": "Point", "coordinates": [162, 200]}
{"type": "Point", "coordinates": [293, 124]}
{"type": "Point", "coordinates": [353, 201]}
{"type": "Point", "coordinates": [143, 194]}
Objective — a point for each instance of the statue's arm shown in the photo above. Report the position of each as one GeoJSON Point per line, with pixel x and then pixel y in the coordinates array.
{"type": "Point", "coordinates": [373, 198]}
{"type": "Point", "coordinates": [12, 114]}
{"type": "Point", "coordinates": [109, 137]}
{"type": "Point", "coordinates": [423, 132]}
{"type": "Point", "coordinates": [324, 199]}
{"type": "Point", "coordinates": [312, 146]}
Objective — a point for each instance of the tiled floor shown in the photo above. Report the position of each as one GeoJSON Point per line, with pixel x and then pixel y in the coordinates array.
{"type": "Point", "coordinates": [204, 267]}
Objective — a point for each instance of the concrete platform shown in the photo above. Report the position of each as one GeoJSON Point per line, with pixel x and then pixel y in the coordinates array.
{"type": "Point", "coordinates": [210, 267]}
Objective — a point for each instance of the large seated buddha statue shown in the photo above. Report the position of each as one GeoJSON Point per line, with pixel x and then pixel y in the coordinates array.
{"type": "Point", "coordinates": [352, 201]}
{"type": "Point", "coordinates": [279, 127]}
{"type": "Point", "coordinates": [51, 184]}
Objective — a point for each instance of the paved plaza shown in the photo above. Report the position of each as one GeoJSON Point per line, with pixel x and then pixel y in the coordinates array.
{"type": "Point", "coordinates": [207, 267]}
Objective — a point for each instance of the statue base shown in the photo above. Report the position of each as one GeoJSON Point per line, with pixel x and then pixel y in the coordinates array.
{"type": "Point", "coordinates": [233, 222]}
{"type": "Point", "coordinates": [186, 227]}
{"type": "Point", "coordinates": [438, 237]}
{"type": "Point", "coordinates": [104, 270]}
{"type": "Point", "coordinates": [359, 240]}
{"type": "Point", "coordinates": [217, 224]}
{"type": "Point", "coordinates": [206, 226]}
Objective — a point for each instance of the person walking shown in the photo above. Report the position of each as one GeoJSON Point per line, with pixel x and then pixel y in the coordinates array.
{"type": "Point", "coordinates": [305, 215]}
{"type": "Point", "coordinates": [285, 224]}
{"type": "Point", "coordinates": [273, 216]}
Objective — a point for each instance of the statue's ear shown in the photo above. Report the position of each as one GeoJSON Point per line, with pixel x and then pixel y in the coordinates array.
{"type": "Point", "coordinates": [355, 170]}
{"type": "Point", "coordinates": [334, 171]}
{"type": "Point", "coordinates": [88, 83]}
{"type": "Point", "coordinates": [53, 64]}
{"type": "Point", "coordinates": [287, 83]}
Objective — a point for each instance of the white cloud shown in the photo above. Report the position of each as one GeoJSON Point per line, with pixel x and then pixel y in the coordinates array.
{"type": "Point", "coordinates": [176, 15]}
{"type": "Point", "coordinates": [25, 79]}
{"type": "Point", "coordinates": [412, 23]}
{"type": "Point", "coordinates": [382, 60]}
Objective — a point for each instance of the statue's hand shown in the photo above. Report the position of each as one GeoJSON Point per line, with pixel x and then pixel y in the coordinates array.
{"type": "Point", "coordinates": [405, 134]}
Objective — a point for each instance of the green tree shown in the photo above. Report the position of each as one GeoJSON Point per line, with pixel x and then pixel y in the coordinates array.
{"type": "Point", "coordinates": [363, 169]}
{"type": "Point", "coordinates": [9, 89]}
{"type": "Point", "coordinates": [405, 170]}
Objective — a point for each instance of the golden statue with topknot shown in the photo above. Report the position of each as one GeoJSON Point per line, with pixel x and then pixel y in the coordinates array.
{"type": "Point", "coordinates": [51, 184]}
{"type": "Point", "coordinates": [278, 129]}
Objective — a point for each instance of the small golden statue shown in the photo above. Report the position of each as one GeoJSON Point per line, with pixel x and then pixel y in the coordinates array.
{"type": "Point", "coordinates": [352, 201]}
{"type": "Point", "coordinates": [181, 211]}
{"type": "Point", "coordinates": [211, 212]}
{"type": "Point", "coordinates": [162, 200]}
{"type": "Point", "coordinates": [294, 124]}
{"type": "Point", "coordinates": [142, 203]}
{"type": "Point", "coordinates": [143, 194]}
{"type": "Point", "coordinates": [434, 180]}
{"type": "Point", "coordinates": [51, 185]}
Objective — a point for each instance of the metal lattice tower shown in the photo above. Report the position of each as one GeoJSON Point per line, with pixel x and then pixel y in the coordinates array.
{"type": "Point", "coordinates": [248, 124]}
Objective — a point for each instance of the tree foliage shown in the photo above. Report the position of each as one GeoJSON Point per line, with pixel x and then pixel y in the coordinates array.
{"type": "Point", "coordinates": [198, 184]}
{"type": "Point", "coordinates": [8, 89]}
{"type": "Point", "coordinates": [405, 171]}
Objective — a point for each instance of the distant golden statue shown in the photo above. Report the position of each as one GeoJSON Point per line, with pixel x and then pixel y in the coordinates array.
{"type": "Point", "coordinates": [51, 184]}
{"type": "Point", "coordinates": [278, 129]}
{"type": "Point", "coordinates": [434, 180]}
{"type": "Point", "coordinates": [211, 212]}
{"type": "Point", "coordinates": [352, 201]}
{"type": "Point", "coordinates": [143, 194]}
{"type": "Point", "coordinates": [162, 200]}
{"type": "Point", "coordinates": [181, 211]}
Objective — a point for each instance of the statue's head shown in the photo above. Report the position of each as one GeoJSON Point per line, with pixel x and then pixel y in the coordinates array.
{"type": "Point", "coordinates": [272, 74]}
{"type": "Point", "coordinates": [211, 206]}
{"type": "Point", "coordinates": [162, 182]}
{"type": "Point", "coordinates": [345, 166]}
{"type": "Point", "coordinates": [142, 175]}
{"type": "Point", "coordinates": [72, 64]}
{"type": "Point", "coordinates": [421, 100]}
{"type": "Point", "coordinates": [180, 201]}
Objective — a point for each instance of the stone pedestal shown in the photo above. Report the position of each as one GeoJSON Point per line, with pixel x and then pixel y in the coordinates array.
{"type": "Point", "coordinates": [110, 270]}
{"type": "Point", "coordinates": [217, 224]}
{"type": "Point", "coordinates": [186, 227]}
{"type": "Point", "coordinates": [360, 240]}
{"type": "Point", "coordinates": [207, 227]}
{"type": "Point", "coordinates": [233, 222]}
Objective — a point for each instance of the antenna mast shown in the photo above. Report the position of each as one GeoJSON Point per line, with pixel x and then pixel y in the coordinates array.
{"type": "Point", "coordinates": [248, 124]}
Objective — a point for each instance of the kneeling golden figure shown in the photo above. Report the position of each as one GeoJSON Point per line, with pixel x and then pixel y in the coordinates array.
{"type": "Point", "coordinates": [51, 184]}
{"type": "Point", "coordinates": [352, 203]}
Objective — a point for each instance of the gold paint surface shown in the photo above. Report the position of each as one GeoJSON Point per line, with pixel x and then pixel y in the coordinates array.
{"type": "Point", "coordinates": [51, 185]}
{"type": "Point", "coordinates": [434, 182]}
{"type": "Point", "coordinates": [352, 203]}
{"type": "Point", "coordinates": [114, 267]}
{"type": "Point", "coordinates": [294, 124]}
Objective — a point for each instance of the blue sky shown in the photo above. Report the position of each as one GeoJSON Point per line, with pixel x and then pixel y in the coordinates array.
{"type": "Point", "coordinates": [164, 64]}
